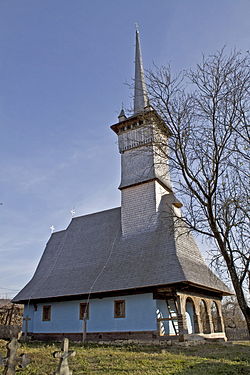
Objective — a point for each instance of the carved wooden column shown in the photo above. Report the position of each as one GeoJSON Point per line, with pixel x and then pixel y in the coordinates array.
{"type": "Point", "coordinates": [198, 312]}
{"type": "Point", "coordinates": [196, 315]}
{"type": "Point", "coordinates": [182, 321]}
{"type": "Point", "coordinates": [196, 323]}
{"type": "Point", "coordinates": [221, 322]}
{"type": "Point", "coordinates": [209, 315]}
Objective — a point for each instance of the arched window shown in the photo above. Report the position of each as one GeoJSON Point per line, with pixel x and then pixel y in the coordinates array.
{"type": "Point", "coordinates": [216, 317]}
{"type": "Point", "coordinates": [204, 317]}
{"type": "Point", "coordinates": [190, 315]}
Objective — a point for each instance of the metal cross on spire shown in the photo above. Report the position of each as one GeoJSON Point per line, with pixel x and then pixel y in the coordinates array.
{"type": "Point", "coordinates": [140, 89]}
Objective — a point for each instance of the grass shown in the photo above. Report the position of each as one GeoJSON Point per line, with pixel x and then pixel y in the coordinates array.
{"type": "Point", "coordinates": [210, 358]}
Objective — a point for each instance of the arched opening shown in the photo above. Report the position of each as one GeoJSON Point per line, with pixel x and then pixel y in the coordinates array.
{"type": "Point", "coordinates": [204, 317]}
{"type": "Point", "coordinates": [216, 319]}
{"type": "Point", "coordinates": [190, 316]}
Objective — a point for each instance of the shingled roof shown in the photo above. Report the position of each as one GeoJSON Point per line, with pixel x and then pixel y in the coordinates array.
{"type": "Point", "coordinates": [91, 255]}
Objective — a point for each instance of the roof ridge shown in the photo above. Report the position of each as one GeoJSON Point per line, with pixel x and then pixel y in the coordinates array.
{"type": "Point", "coordinates": [96, 213]}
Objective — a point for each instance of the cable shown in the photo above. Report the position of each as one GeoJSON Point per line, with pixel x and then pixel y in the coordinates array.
{"type": "Point", "coordinates": [93, 284]}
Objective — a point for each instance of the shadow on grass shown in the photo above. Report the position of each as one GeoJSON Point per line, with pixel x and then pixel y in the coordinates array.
{"type": "Point", "coordinates": [215, 368]}
{"type": "Point", "coordinates": [212, 358]}
{"type": "Point", "coordinates": [208, 359]}
{"type": "Point", "coordinates": [235, 352]}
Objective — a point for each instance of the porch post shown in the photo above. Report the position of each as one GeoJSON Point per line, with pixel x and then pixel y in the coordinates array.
{"type": "Point", "coordinates": [182, 321]}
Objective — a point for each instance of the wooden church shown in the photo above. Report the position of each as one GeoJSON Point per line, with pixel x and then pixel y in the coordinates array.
{"type": "Point", "coordinates": [131, 272]}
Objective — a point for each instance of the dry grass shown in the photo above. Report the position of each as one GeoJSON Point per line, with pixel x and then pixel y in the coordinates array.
{"type": "Point", "coordinates": [212, 358]}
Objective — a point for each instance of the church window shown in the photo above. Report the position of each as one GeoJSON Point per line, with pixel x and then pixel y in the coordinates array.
{"type": "Point", "coordinates": [84, 307]}
{"type": "Point", "coordinates": [119, 309]}
{"type": "Point", "coordinates": [47, 313]}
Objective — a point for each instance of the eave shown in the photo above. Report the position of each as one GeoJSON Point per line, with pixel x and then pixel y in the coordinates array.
{"type": "Point", "coordinates": [183, 286]}
{"type": "Point", "coordinates": [137, 119]}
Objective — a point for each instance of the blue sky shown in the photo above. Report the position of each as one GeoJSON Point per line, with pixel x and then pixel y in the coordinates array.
{"type": "Point", "coordinates": [64, 70]}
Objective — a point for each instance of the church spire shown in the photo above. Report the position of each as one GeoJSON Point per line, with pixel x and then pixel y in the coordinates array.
{"type": "Point", "coordinates": [140, 89]}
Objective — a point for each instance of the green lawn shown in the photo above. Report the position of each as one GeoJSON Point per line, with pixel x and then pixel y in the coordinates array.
{"type": "Point", "coordinates": [206, 359]}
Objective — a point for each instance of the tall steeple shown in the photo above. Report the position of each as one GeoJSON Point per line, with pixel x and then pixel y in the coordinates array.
{"type": "Point", "coordinates": [140, 89]}
{"type": "Point", "coordinates": [145, 178]}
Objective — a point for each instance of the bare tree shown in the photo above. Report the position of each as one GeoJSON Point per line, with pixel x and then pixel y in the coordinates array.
{"type": "Point", "coordinates": [232, 314]}
{"type": "Point", "coordinates": [207, 111]}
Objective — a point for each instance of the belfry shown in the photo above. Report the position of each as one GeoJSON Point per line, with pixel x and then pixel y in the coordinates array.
{"type": "Point", "coordinates": [134, 271]}
{"type": "Point", "coordinates": [144, 172]}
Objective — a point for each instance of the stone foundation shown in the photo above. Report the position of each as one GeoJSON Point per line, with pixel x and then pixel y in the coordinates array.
{"type": "Point", "coordinates": [141, 336]}
{"type": "Point", "coordinates": [97, 336]}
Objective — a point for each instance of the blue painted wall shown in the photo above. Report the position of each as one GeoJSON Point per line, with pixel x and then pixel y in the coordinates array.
{"type": "Point", "coordinates": [140, 315]}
